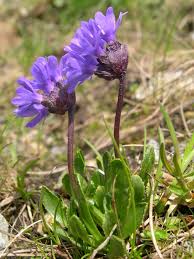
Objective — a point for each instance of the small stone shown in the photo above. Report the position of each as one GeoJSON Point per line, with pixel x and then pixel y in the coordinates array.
{"type": "Point", "coordinates": [3, 230]}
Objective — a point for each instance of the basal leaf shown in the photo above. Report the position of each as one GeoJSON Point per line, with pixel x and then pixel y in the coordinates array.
{"type": "Point", "coordinates": [86, 217]}
{"type": "Point", "coordinates": [131, 223]}
{"type": "Point", "coordinates": [66, 184]}
{"type": "Point", "coordinates": [78, 229]}
{"type": "Point", "coordinates": [171, 130]}
{"type": "Point", "coordinates": [109, 221]}
{"type": "Point", "coordinates": [178, 174]}
{"type": "Point", "coordinates": [139, 188]}
{"type": "Point", "coordinates": [106, 161]}
{"type": "Point", "coordinates": [79, 162]}
{"type": "Point", "coordinates": [97, 178]}
{"type": "Point", "coordinates": [53, 204]}
{"type": "Point", "coordinates": [165, 162]}
{"type": "Point", "coordinates": [99, 197]}
{"type": "Point", "coordinates": [120, 189]}
{"type": "Point", "coordinates": [116, 248]}
{"type": "Point", "coordinates": [147, 164]}
{"type": "Point", "coordinates": [82, 182]}
{"type": "Point", "coordinates": [97, 215]}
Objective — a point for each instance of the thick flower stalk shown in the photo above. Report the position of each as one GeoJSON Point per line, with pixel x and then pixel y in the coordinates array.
{"type": "Point", "coordinates": [95, 50]}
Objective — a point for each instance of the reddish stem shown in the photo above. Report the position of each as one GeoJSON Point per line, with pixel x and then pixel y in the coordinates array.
{"type": "Point", "coordinates": [122, 83]}
{"type": "Point", "coordinates": [70, 155]}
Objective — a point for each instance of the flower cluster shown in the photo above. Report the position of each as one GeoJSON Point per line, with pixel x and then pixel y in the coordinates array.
{"type": "Point", "coordinates": [88, 45]}
{"type": "Point", "coordinates": [52, 88]}
{"type": "Point", "coordinates": [45, 93]}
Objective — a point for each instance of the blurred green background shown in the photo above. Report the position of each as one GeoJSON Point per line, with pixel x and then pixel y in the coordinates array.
{"type": "Point", "coordinates": [44, 26]}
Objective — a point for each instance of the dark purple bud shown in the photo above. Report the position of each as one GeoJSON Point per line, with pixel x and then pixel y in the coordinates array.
{"type": "Point", "coordinates": [113, 63]}
{"type": "Point", "coordinates": [59, 101]}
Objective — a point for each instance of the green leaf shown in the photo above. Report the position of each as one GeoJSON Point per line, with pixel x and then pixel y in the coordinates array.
{"type": "Point", "coordinates": [66, 184]}
{"type": "Point", "coordinates": [138, 187]}
{"type": "Point", "coordinates": [172, 131]}
{"type": "Point", "coordinates": [97, 215]}
{"type": "Point", "coordinates": [109, 221]}
{"type": "Point", "coordinates": [82, 182]}
{"type": "Point", "coordinates": [79, 162]}
{"type": "Point", "coordinates": [160, 234]}
{"type": "Point", "coordinates": [53, 205]}
{"type": "Point", "coordinates": [177, 189]}
{"type": "Point", "coordinates": [147, 164]}
{"type": "Point", "coordinates": [165, 162]}
{"type": "Point", "coordinates": [86, 217]}
{"type": "Point", "coordinates": [99, 163]}
{"type": "Point", "coordinates": [78, 229]}
{"type": "Point", "coordinates": [106, 161]}
{"type": "Point", "coordinates": [172, 223]}
{"type": "Point", "coordinates": [71, 208]}
{"type": "Point", "coordinates": [140, 211]}
{"type": "Point", "coordinates": [188, 153]}
{"type": "Point", "coordinates": [127, 174]}
{"type": "Point", "coordinates": [178, 174]}
{"type": "Point", "coordinates": [99, 197]}
{"type": "Point", "coordinates": [97, 178]}
{"type": "Point", "coordinates": [65, 235]}
{"type": "Point", "coordinates": [116, 248]}
{"type": "Point", "coordinates": [121, 198]}
{"type": "Point", "coordinates": [121, 193]}
{"type": "Point", "coordinates": [130, 224]}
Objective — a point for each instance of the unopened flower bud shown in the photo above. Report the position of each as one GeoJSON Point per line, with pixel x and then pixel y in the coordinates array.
{"type": "Point", "coordinates": [113, 63]}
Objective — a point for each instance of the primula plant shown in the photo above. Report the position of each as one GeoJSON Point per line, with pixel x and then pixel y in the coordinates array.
{"type": "Point", "coordinates": [105, 207]}
{"type": "Point", "coordinates": [93, 50]}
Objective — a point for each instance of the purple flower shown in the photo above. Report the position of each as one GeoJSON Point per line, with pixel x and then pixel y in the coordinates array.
{"type": "Point", "coordinates": [78, 69]}
{"type": "Point", "coordinates": [28, 102]}
{"type": "Point", "coordinates": [87, 46]}
{"type": "Point", "coordinates": [47, 72]}
{"type": "Point", "coordinates": [37, 97]}
{"type": "Point", "coordinates": [108, 24]}
{"type": "Point", "coordinates": [52, 88]}
{"type": "Point", "coordinates": [87, 40]}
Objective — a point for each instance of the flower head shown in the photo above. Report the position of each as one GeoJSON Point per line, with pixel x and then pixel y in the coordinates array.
{"type": "Point", "coordinates": [87, 46]}
{"type": "Point", "coordinates": [45, 94]}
